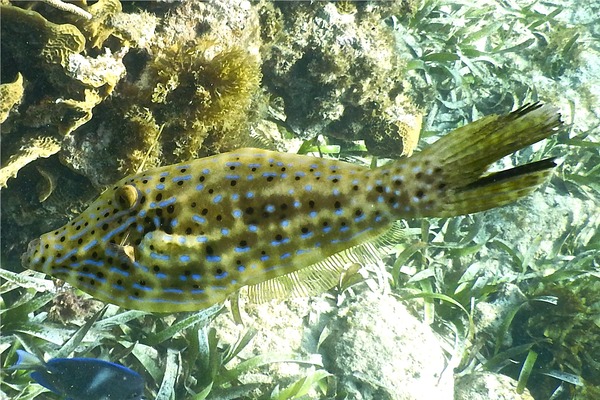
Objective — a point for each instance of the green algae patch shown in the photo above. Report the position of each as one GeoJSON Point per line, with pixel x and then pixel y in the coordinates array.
{"type": "Point", "coordinates": [201, 93]}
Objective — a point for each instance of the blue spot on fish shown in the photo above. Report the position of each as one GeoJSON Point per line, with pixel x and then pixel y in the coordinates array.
{"type": "Point", "coordinates": [182, 178]}
{"type": "Point", "coordinates": [167, 202]}
{"type": "Point", "coordinates": [198, 219]}
{"type": "Point", "coordinates": [306, 235]}
{"type": "Point", "coordinates": [156, 256]}
{"type": "Point", "coordinates": [140, 287]}
{"type": "Point", "coordinates": [222, 275]}
{"type": "Point", "coordinates": [119, 271]}
{"type": "Point", "coordinates": [90, 245]}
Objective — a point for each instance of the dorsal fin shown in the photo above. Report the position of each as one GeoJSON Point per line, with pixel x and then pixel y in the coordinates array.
{"type": "Point", "coordinates": [322, 276]}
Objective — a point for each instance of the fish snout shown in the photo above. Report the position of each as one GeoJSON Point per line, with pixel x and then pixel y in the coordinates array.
{"type": "Point", "coordinates": [32, 248]}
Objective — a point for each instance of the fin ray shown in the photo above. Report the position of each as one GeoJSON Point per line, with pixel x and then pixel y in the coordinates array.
{"type": "Point", "coordinates": [323, 275]}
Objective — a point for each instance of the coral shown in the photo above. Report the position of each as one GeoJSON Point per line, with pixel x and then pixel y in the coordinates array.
{"type": "Point", "coordinates": [31, 149]}
{"type": "Point", "coordinates": [53, 43]}
{"type": "Point", "coordinates": [10, 95]}
{"type": "Point", "coordinates": [339, 74]}
{"type": "Point", "coordinates": [104, 70]}
{"type": "Point", "coordinates": [99, 28]}
{"type": "Point", "coordinates": [200, 89]}
{"type": "Point", "coordinates": [134, 29]}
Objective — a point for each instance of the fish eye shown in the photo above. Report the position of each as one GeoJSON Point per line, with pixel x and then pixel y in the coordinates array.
{"type": "Point", "coordinates": [127, 196]}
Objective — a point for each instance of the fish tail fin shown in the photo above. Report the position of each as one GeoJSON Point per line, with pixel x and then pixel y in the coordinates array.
{"type": "Point", "coordinates": [26, 361]}
{"type": "Point", "coordinates": [461, 159]}
{"type": "Point", "coordinates": [497, 189]}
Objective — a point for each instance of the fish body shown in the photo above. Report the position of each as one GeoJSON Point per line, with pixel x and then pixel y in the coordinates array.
{"type": "Point", "coordinates": [185, 236]}
{"type": "Point", "coordinates": [83, 378]}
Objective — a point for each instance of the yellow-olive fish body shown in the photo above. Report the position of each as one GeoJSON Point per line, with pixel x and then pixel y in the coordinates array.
{"type": "Point", "coordinates": [185, 236]}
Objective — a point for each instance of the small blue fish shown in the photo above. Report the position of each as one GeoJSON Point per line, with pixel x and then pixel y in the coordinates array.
{"type": "Point", "coordinates": [83, 378]}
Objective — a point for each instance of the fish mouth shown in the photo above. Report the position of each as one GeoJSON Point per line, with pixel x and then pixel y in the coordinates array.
{"type": "Point", "coordinates": [27, 256]}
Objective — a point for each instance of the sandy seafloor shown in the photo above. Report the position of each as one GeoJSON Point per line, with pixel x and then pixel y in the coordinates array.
{"type": "Point", "coordinates": [362, 342]}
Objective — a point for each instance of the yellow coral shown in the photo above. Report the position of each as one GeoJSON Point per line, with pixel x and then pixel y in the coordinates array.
{"type": "Point", "coordinates": [32, 149]}
{"type": "Point", "coordinates": [10, 95]}
{"type": "Point", "coordinates": [55, 43]}
{"type": "Point", "coordinates": [99, 28]}
{"type": "Point", "coordinates": [79, 112]}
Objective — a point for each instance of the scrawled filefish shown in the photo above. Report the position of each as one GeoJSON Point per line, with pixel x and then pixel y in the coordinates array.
{"type": "Point", "coordinates": [83, 378]}
{"type": "Point", "coordinates": [185, 236]}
